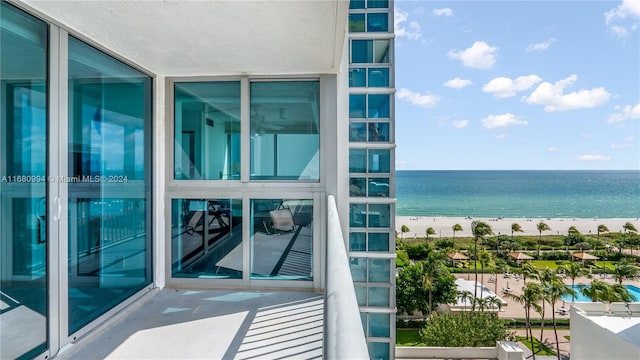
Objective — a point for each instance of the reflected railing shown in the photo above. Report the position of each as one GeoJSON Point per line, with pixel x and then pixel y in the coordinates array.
{"type": "Point", "coordinates": [343, 332]}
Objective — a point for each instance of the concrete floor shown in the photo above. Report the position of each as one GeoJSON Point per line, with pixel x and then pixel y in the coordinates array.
{"type": "Point", "coordinates": [213, 324]}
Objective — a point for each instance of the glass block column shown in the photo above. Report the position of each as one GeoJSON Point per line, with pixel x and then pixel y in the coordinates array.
{"type": "Point", "coordinates": [371, 170]}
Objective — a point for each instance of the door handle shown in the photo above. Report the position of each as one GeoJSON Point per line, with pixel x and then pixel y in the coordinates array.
{"type": "Point", "coordinates": [58, 208]}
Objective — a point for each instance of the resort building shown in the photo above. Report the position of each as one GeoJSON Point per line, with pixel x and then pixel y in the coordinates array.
{"type": "Point", "coordinates": [193, 145]}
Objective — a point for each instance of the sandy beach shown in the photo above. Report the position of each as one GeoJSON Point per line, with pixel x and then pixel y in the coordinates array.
{"type": "Point", "coordinates": [442, 225]}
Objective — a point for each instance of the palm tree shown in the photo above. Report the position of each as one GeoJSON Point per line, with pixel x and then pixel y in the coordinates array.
{"type": "Point", "coordinates": [545, 276]}
{"type": "Point", "coordinates": [430, 231]}
{"type": "Point", "coordinates": [456, 227]}
{"type": "Point", "coordinates": [628, 226]}
{"type": "Point", "coordinates": [574, 270]}
{"type": "Point", "coordinates": [403, 229]}
{"type": "Point", "coordinates": [602, 228]}
{"type": "Point", "coordinates": [499, 266]}
{"type": "Point", "coordinates": [554, 290]}
{"type": "Point", "coordinates": [431, 269]}
{"type": "Point", "coordinates": [573, 231]}
{"type": "Point", "coordinates": [494, 301]}
{"type": "Point", "coordinates": [485, 259]}
{"type": "Point", "coordinates": [481, 302]}
{"type": "Point", "coordinates": [625, 271]}
{"type": "Point", "coordinates": [530, 271]}
{"type": "Point", "coordinates": [479, 229]}
{"type": "Point", "coordinates": [541, 227]}
{"type": "Point", "coordinates": [601, 291]}
{"type": "Point", "coordinates": [515, 227]}
{"type": "Point", "coordinates": [465, 296]}
{"type": "Point", "coordinates": [531, 294]}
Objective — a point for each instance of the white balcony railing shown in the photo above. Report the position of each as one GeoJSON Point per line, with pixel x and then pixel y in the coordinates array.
{"type": "Point", "coordinates": [343, 332]}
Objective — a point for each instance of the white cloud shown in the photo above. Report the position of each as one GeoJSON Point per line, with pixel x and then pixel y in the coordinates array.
{"type": "Point", "coordinates": [443, 12]}
{"type": "Point", "coordinates": [458, 83]}
{"type": "Point", "coordinates": [503, 87]}
{"type": "Point", "coordinates": [460, 123]}
{"type": "Point", "coordinates": [480, 55]}
{"type": "Point", "coordinates": [614, 17]}
{"type": "Point", "coordinates": [625, 113]}
{"type": "Point", "coordinates": [552, 149]}
{"type": "Point", "coordinates": [501, 136]}
{"type": "Point", "coordinates": [541, 46]}
{"type": "Point", "coordinates": [553, 98]}
{"type": "Point", "coordinates": [628, 143]}
{"type": "Point", "coordinates": [427, 100]}
{"type": "Point", "coordinates": [411, 30]}
{"type": "Point", "coordinates": [499, 121]}
{"type": "Point", "coordinates": [593, 158]}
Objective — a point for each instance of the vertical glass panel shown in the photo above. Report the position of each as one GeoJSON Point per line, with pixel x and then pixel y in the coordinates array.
{"type": "Point", "coordinates": [379, 270]}
{"type": "Point", "coordinates": [378, 77]}
{"type": "Point", "coordinates": [357, 105]}
{"type": "Point", "coordinates": [357, 77]}
{"type": "Point", "coordinates": [378, 242]}
{"type": "Point", "coordinates": [381, 52]}
{"type": "Point", "coordinates": [379, 161]}
{"type": "Point", "coordinates": [356, 22]}
{"type": "Point", "coordinates": [377, 4]}
{"type": "Point", "coordinates": [361, 51]}
{"type": "Point", "coordinates": [378, 350]}
{"type": "Point", "coordinates": [378, 296]}
{"type": "Point", "coordinates": [378, 22]}
{"type": "Point", "coordinates": [357, 215]}
{"type": "Point", "coordinates": [285, 123]}
{"type": "Point", "coordinates": [23, 159]}
{"type": "Point", "coordinates": [378, 106]}
{"type": "Point", "coordinates": [361, 295]}
{"type": "Point", "coordinates": [206, 238]}
{"type": "Point", "coordinates": [282, 239]}
{"type": "Point", "coordinates": [357, 241]}
{"type": "Point", "coordinates": [356, 4]}
{"type": "Point", "coordinates": [207, 131]}
{"type": "Point", "coordinates": [110, 183]}
{"type": "Point", "coordinates": [379, 187]}
{"type": "Point", "coordinates": [357, 132]}
{"type": "Point", "coordinates": [357, 187]}
{"type": "Point", "coordinates": [357, 160]}
{"type": "Point", "coordinates": [379, 132]}
{"type": "Point", "coordinates": [379, 325]}
{"type": "Point", "coordinates": [358, 268]}
{"type": "Point", "coordinates": [379, 215]}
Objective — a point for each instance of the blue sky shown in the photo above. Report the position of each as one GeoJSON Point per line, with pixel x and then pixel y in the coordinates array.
{"type": "Point", "coordinates": [517, 85]}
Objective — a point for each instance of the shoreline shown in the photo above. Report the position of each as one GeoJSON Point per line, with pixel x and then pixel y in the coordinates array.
{"type": "Point", "coordinates": [502, 226]}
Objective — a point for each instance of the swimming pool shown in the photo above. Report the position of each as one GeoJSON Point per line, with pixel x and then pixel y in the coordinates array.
{"type": "Point", "coordinates": [633, 290]}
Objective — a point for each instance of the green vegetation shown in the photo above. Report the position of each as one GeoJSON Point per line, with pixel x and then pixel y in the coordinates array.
{"type": "Point", "coordinates": [408, 337]}
{"type": "Point", "coordinates": [541, 349]}
{"type": "Point", "coordinates": [466, 329]}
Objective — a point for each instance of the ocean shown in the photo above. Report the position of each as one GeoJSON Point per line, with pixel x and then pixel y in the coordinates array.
{"type": "Point", "coordinates": [519, 193]}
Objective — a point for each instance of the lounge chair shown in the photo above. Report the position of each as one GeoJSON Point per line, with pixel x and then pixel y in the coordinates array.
{"type": "Point", "coordinates": [282, 220]}
{"type": "Point", "coordinates": [193, 224]}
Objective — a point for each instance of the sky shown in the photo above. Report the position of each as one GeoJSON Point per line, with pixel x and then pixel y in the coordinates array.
{"type": "Point", "coordinates": [510, 85]}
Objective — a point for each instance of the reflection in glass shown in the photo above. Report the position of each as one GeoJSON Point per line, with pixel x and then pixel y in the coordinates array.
{"type": "Point", "coordinates": [379, 132]}
{"type": "Point", "coordinates": [378, 296]}
{"type": "Point", "coordinates": [281, 239]}
{"type": "Point", "coordinates": [207, 131]}
{"type": "Point", "coordinates": [379, 350]}
{"type": "Point", "coordinates": [285, 123]}
{"type": "Point", "coordinates": [379, 187]}
{"type": "Point", "coordinates": [206, 238]}
{"type": "Point", "coordinates": [23, 155]}
{"type": "Point", "coordinates": [357, 187]}
{"type": "Point", "coordinates": [357, 215]}
{"type": "Point", "coordinates": [356, 22]}
{"type": "Point", "coordinates": [378, 77]}
{"type": "Point", "coordinates": [358, 268]}
{"type": "Point", "coordinates": [379, 161]}
{"type": "Point", "coordinates": [357, 132]}
{"type": "Point", "coordinates": [379, 325]}
{"type": "Point", "coordinates": [357, 77]}
{"type": "Point", "coordinates": [110, 186]}
{"type": "Point", "coordinates": [378, 106]}
{"type": "Point", "coordinates": [357, 160]}
{"type": "Point", "coordinates": [378, 242]}
{"type": "Point", "coordinates": [357, 241]}
{"type": "Point", "coordinates": [357, 105]}
{"type": "Point", "coordinates": [379, 215]}
{"type": "Point", "coordinates": [370, 51]}
{"type": "Point", "coordinates": [379, 270]}
{"type": "Point", "coordinates": [377, 22]}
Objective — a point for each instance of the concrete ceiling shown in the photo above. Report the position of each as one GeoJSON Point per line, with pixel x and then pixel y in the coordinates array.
{"type": "Point", "coordinates": [181, 38]}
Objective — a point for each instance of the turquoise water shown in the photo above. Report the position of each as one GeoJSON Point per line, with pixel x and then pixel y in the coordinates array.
{"type": "Point", "coordinates": [519, 193]}
{"type": "Point", "coordinates": [635, 292]}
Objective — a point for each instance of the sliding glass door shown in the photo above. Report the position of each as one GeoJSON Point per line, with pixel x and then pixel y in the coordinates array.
{"type": "Point", "coordinates": [23, 165]}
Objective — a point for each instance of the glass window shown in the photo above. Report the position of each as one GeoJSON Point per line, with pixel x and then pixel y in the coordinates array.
{"type": "Point", "coordinates": [378, 106]}
{"type": "Point", "coordinates": [379, 187]}
{"type": "Point", "coordinates": [357, 132]}
{"type": "Point", "coordinates": [379, 215]}
{"type": "Point", "coordinates": [207, 131]}
{"type": "Point", "coordinates": [361, 295]}
{"type": "Point", "coordinates": [357, 160]}
{"type": "Point", "coordinates": [378, 22]}
{"type": "Point", "coordinates": [377, 4]}
{"type": "Point", "coordinates": [378, 350]}
{"type": "Point", "coordinates": [381, 51]}
{"type": "Point", "coordinates": [379, 270]}
{"type": "Point", "coordinates": [285, 123]}
{"type": "Point", "coordinates": [206, 238]}
{"type": "Point", "coordinates": [379, 325]}
{"type": "Point", "coordinates": [357, 77]}
{"type": "Point", "coordinates": [109, 200]}
{"type": "Point", "coordinates": [357, 105]}
{"type": "Point", "coordinates": [378, 296]}
{"type": "Point", "coordinates": [356, 4]}
{"type": "Point", "coordinates": [357, 215]}
{"type": "Point", "coordinates": [370, 51]}
{"type": "Point", "coordinates": [23, 159]}
{"type": "Point", "coordinates": [357, 241]}
{"type": "Point", "coordinates": [358, 268]}
{"type": "Point", "coordinates": [378, 242]}
{"type": "Point", "coordinates": [357, 187]}
{"type": "Point", "coordinates": [378, 77]}
{"type": "Point", "coordinates": [379, 161]}
{"type": "Point", "coordinates": [281, 239]}
{"type": "Point", "coordinates": [379, 132]}
{"type": "Point", "coordinates": [356, 22]}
